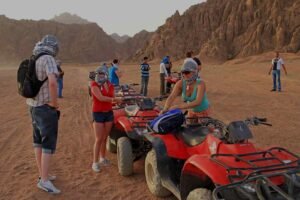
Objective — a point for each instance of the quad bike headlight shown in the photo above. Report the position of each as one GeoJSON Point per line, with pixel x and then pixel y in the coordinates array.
{"type": "Point", "coordinates": [213, 148]}
{"type": "Point", "coordinates": [287, 161]}
{"type": "Point", "coordinates": [141, 131]}
{"type": "Point", "coordinates": [249, 187]}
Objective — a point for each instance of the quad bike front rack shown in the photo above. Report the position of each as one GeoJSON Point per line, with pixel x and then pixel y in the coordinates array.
{"type": "Point", "coordinates": [258, 184]}
{"type": "Point", "coordinates": [142, 121]}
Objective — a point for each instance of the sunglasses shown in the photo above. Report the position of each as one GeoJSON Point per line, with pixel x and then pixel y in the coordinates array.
{"type": "Point", "coordinates": [186, 72]}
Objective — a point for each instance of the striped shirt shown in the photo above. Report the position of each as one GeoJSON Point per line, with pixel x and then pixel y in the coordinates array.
{"type": "Point", "coordinates": [45, 65]}
{"type": "Point", "coordinates": [145, 67]}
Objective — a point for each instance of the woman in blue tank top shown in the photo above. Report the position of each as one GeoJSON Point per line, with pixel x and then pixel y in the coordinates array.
{"type": "Point", "coordinates": [193, 92]}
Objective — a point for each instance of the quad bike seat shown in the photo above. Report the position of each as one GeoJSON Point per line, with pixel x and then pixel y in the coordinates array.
{"type": "Point", "coordinates": [147, 104]}
{"type": "Point", "coordinates": [131, 110]}
{"type": "Point", "coordinates": [194, 135]}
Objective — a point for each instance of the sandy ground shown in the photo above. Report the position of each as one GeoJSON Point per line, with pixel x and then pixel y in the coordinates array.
{"type": "Point", "coordinates": [236, 89]}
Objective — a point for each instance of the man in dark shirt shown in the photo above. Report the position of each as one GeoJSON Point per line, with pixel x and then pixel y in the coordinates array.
{"type": "Point", "coordinates": [60, 80]}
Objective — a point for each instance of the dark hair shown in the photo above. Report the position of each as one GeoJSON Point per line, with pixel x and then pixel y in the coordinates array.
{"type": "Point", "coordinates": [189, 54]}
{"type": "Point", "coordinates": [115, 61]}
{"type": "Point", "coordinates": [145, 58]}
{"type": "Point", "coordinates": [197, 60]}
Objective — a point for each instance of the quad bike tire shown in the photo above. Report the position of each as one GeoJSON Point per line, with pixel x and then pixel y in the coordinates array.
{"type": "Point", "coordinates": [110, 147]}
{"type": "Point", "coordinates": [125, 156]}
{"type": "Point", "coordinates": [200, 194]}
{"type": "Point", "coordinates": [153, 178]}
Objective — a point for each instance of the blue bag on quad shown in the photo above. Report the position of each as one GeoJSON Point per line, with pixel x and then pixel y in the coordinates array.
{"type": "Point", "coordinates": [168, 122]}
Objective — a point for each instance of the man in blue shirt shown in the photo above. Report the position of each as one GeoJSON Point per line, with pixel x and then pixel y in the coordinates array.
{"type": "Point", "coordinates": [145, 67]}
{"type": "Point", "coordinates": [115, 73]}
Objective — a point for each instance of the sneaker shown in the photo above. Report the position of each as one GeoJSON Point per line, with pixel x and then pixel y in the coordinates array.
{"type": "Point", "coordinates": [50, 178]}
{"type": "Point", "coordinates": [48, 187]}
{"type": "Point", "coordinates": [104, 162]}
{"type": "Point", "coordinates": [96, 167]}
{"type": "Point", "coordinates": [273, 90]}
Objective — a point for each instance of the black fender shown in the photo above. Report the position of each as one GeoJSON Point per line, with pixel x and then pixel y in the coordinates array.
{"type": "Point", "coordinates": [115, 134]}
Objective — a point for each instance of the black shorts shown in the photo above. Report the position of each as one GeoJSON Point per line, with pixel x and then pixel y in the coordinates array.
{"type": "Point", "coordinates": [45, 127]}
{"type": "Point", "coordinates": [102, 117]}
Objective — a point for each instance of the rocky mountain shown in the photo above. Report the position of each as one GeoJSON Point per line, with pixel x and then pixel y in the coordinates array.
{"type": "Point", "coordinates": [222, 30]}
{"type": "Point", "coordinates": [79, 42]}
{"type": "Point", "coordinates": [67, 18]}
{"type": "Point", "coordinates": [118, 38]}
{"type": "Point", "coordinates": [134, 45]}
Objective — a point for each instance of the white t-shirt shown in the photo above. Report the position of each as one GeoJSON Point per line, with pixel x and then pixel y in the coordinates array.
{"type": "Point", "coordinates": [162, 69]}
{"type": "Point", "coordinates": [279, 62]}
{"type": "Point", "coordinates": [189, 59]}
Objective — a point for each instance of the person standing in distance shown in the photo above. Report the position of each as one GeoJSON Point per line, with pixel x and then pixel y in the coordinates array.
{"type": "Point", "coordinates": [163, 73]}
{"type": "Point", "coordinates": [44, 111]}
{"type": "Point", "coordinates": [115, 73]}
{"type": "Point", "coordinates": [277, 63]}
{"type": "Point", "coordinates": [145, 68]}
{"type": "Point", "coordinates": [60, 79]}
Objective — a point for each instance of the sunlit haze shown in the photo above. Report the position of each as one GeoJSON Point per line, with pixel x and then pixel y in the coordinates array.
{"type": "Point", "coordinates": [114, 16]}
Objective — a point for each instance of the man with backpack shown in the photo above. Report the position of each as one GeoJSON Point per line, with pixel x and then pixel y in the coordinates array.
{"type": "Point", "coordinates": [277, 62]}
{"type": "Point", "coordinates": [44, 110]}
{"type": "Point", "coordinates": [145, 68]}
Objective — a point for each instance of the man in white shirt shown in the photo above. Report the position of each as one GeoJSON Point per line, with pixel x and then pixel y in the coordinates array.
{"type": "Point", "coordinates": [277, 62]}
{"type": "Point", "coordinates": [163, 73]}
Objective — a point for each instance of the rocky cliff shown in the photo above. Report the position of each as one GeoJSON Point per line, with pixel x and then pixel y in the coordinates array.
{"type": "Point", "coordinates": [222, 30]}
{"type": "Point", "coordinates": [79, 43]}
{"type": "Point", "coordinates": [118, 38]}
{"type": "Point", "coordinates": [133, 46]}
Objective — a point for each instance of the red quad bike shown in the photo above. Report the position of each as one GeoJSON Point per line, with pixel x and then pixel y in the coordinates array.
{"type": "Point", "coordinates": [173, 78]}
{"type": "Point", "coordinates": [130, 97]}
{"type": "Point", "coordinates": [212, 160]}
{"type": "Point", "coordinates": [127, 135]}
{"type": "Point", "coordinates": [128, 92]}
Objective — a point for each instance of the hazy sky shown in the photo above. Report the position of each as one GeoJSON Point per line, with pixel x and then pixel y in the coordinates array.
{"type": "Point", "coordinates": [114, 16]}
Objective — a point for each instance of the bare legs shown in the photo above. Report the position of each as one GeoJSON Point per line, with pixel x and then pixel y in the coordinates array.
{"type": "Point", "coordinates": [101, 131]}
{"type": "Point", "coordinates": [43, 162]}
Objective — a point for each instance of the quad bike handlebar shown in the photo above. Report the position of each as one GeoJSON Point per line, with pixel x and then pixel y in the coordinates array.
{"type": "Point", "coordinates": [205, 121]}
{"type": "Point", "coordinates": [255, 121]}
{"type": "Point", "coordinates": [228, 132]}
{"type": "Point", "coordinates": [138, 99]}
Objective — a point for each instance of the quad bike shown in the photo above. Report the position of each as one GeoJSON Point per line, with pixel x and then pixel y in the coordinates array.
{"type": "Point", "coordinates": [128, 93]}
{"type": "Point", "coordinates": [127, 135]}
{"type": "Point", "coordinates": [173, 78]}
{"type": "Point", "coordinates": [211, 160]}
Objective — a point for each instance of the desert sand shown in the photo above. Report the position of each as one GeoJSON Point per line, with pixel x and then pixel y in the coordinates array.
{"type": "Point", "coordinates": [237, 89]}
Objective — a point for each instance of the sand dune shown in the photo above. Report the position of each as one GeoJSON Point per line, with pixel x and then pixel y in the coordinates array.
{"type": "Point", "coordinates": [237, 89]}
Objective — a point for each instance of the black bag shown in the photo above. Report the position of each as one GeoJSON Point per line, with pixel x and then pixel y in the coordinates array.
{"type": "Point", "coordinates": [275, 64]}
{"type": "Point", "coordinates": [28, 83]}
{"type": "Point", "coordinates": [170, 121]}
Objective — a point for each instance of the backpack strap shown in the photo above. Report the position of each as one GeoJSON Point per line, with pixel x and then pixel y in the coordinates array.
{"type": "Point", "coordinates": [35, 58]}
